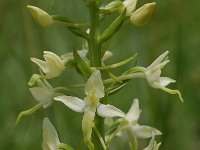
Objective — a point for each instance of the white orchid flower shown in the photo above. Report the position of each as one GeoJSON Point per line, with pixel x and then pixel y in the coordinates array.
{"type": "Point", "coordinates": [43, 93]}
{"type": "Point", "coordinates": [139, 131]}
{"type": "Point", "coordinates": [94, 90]}
{"type": "Point", "coordinates": [50, 136]}
{"type": "Point", "coordinates": [153, 75]}
{"type": "Point", "coordinates": [129, 125]}
{"type": "Point", "coordinates": [40, 16]}
{"type": "Point", "coordinates": [53, 65]}
{"type": "Point", "coordinates": [153, 144]}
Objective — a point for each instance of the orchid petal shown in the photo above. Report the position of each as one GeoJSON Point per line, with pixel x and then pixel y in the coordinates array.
{"type": "Point", "coordinates": [134, 112]}
{"type": "Point", "coordinates": [107, 55]}
{"type": "Point", "coordinates": [158, 60]}
{"type": "Point", "coordinates": [48, 53]}
{"type": "Point", "coordinates": [94, 85]}
{"type": "Point", "coordinates": [152, 76]}
{"type": "Point", "coordinates": [164, 81]}
{"type": "Point", "coordinates": [87, 125]}
{"type": "Point", "coordinates": [42, 64]}
{"type": "Point", "coordinates": [42, 95]}
{"type": "Point", "coordinates": [109, 111]}
{"type": "Point", "coordinates": [73, 103]}
{"type": "Point", "coordinates": [50, 136]}
{"type": "Point", "coordinates": [130, 5]}
{"type": "Point", "coordinates": [144, 131]}
{"type": "Point", "coordinates": [162, 65]}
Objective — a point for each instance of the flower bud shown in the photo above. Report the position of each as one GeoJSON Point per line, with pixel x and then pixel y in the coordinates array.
{"type": "Point", "coordinates": [142, 15]}
{"type": "Point", "coordinates": [40, 16]}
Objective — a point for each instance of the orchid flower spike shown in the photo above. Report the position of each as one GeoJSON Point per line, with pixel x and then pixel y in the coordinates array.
{"type": "Point", "coordinates": [94, 91]}
{"type": "Point", "coordinates": [153, 144]}
{"type": "Point", "coordinates": [40, 16]}
{"type": "Point", "coordinates": [154, 79]}
{"type": "Point", "coordinates": [53, 65]}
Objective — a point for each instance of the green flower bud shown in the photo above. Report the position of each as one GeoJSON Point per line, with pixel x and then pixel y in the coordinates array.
{"type": "Point", "coordinates": [40, 16]}
{"type": "Point", "coordinates": [142, 15]}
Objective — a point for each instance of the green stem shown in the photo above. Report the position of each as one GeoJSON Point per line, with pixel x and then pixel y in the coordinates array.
{"type": "Point", "coordinates": [124, 77]}
{"type": "Point", "coordinates": [116, 64]}
{"type": "Point", "coordinates": [95, 51]}
{"type": "Point", "coordinates": [100, 138]}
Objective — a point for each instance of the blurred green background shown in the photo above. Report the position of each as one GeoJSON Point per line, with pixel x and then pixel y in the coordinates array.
{"type": "Point", "coordinates": [174, 27]}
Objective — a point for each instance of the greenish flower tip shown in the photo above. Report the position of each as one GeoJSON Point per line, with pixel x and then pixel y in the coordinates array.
{"type": "Point", "coordinates": [40, 16]}
{"type": "Point", "coordinates": [143, 14]}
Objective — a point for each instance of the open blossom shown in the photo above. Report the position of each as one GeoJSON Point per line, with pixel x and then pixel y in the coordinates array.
{"type": "Point", "coordinates": [40, 16]}
{"type": "Point", "coordinates": [153, 75]}
{"type": "Point", "coordinates": [50, 136]}
{"type": "Point", "coordinates": [53, 65]}
{"type": "Point", "coordinates": [153, 144]}
{"type": "Point", "coordinates": [94, 90]}
{"type": "Point", "coordinates": [131, 123]}
{"type": "Point", "coordinates": [43, 93]}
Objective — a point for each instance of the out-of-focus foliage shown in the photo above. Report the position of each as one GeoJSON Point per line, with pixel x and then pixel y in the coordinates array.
{"type": "Point", "coordinates": [174, 27]}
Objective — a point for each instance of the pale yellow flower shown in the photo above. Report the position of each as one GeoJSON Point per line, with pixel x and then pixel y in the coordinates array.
{"type": "Point", "coordinates": [53, 65]}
